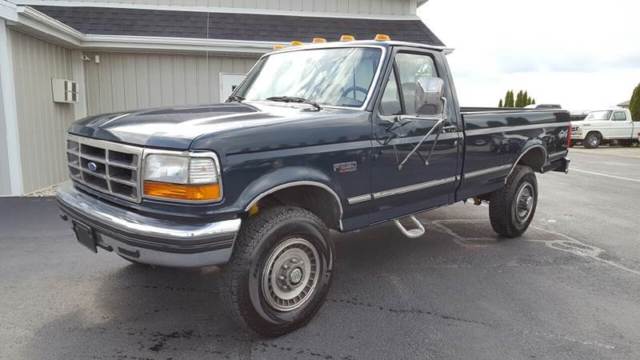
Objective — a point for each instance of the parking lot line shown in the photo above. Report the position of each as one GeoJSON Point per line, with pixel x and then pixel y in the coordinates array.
{"type": "Point", "coordinates": [605, 175]}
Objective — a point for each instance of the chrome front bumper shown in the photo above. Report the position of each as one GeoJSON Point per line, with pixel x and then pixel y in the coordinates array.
{"type": "Point", "coordinates": [149, 240]}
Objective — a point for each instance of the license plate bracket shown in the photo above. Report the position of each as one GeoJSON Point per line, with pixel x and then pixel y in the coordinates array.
{"type": "Point", "coordinates": [85, 235]}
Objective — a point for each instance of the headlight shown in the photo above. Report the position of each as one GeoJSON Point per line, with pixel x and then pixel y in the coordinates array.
{"type": "Point", "coordinates": [182, 177]}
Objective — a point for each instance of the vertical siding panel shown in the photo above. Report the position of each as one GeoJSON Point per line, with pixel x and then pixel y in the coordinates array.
{"type": "Point", "coordinates": [191, 79]}
{"type": "Point", "coordinates": [179, 81]}
{"type": "Point", "coordinates": [331, 5]}
{"type": "Point", "coordinates": [41, 122]}
{"type": "Point", "coordinates": [130, 90]}
{"type": "Point", "coordinates": [202, 79]}
{"type": "Point", "coordinates": [117, 82]}
{"type": "Point", "coordinates": [166, 75]}
{"type": "Point", "coordinates": [215, 66]}
{"type": "Point", "coordinates": [141, 64]}
{"type": "Point", "coordinates": [155, 81]}
{"type": "Point", "coordinates": [343, 6]}
{"type": "Point", "coordinates": [105, 99]}
{"type": "Point", "coordinates": [92, 92]}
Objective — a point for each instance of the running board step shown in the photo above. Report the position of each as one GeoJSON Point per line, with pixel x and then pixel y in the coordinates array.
{"type": "Point", "coordinates": [413, 233]}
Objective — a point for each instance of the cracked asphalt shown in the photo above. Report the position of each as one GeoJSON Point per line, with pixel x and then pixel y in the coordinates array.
{"type": "Point", "coordinates": [569, 289]}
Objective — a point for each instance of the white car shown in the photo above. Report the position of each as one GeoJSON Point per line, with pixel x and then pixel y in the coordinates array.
{"type": "Point", "coordinates": [603, 126]}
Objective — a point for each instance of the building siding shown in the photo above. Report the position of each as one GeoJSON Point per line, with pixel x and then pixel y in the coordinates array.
{"type": "Point", "coordinates": [42, 123]}
{"type": "Point", "coordinates": [127, 81]}
{"type": "Point", "coordinates": [356, 7]}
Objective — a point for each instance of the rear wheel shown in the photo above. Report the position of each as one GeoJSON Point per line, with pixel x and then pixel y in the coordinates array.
{"type": "Point", "coordinates": [280, 271]}
{"type": "Point", "coordinates": [511, 209]}
{"type": "Point", "coordinates": [592, 141]}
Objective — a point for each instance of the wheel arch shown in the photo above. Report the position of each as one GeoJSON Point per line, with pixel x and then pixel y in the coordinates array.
{"type": "Point", "coordinates": [313, 191]}
{"type": "Point", "coordinates": [534, 156]}
{"type": "Point", "coordinates": [598, 132]}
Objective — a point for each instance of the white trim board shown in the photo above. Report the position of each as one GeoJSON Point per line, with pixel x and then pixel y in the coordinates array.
{"type": "Point", "coordinates": [10, 111]}
{"type": "Point", "coordinates": [232, 10]}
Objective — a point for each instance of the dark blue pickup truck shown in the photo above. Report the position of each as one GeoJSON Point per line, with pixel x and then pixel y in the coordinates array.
{"type": "Point", "coordinates": [331, 136]}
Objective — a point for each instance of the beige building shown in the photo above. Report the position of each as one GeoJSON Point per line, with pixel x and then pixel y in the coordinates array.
{"type": "Point", "coordinates": [64, 60]}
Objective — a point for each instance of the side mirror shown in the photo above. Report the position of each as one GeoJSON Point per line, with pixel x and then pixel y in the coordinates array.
{"type": "Point", "coordinates": [429, 96]}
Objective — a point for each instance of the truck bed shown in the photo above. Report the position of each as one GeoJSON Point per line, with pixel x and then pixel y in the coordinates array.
{"type": "Point", "coordinates": [496, 137]}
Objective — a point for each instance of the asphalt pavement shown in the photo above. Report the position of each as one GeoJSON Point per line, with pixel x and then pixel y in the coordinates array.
{"type": "Point", "coordinates": [568, 289]}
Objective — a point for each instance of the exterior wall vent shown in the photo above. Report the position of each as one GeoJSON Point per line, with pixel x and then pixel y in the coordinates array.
{"type": "Point", "coordinates": [64, 91]}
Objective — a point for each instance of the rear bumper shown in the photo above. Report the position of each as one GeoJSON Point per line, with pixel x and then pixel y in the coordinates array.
{"type": "Point", "coordinates": [560, 165]}
{"type": "Point", "coordinates": [150, 240]}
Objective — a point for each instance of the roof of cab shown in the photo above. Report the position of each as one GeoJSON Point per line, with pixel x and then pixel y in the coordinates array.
{"type": "Point", "coordinates": [383, 44]}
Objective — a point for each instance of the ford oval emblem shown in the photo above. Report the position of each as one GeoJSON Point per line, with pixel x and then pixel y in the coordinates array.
{"type": "Point", "coordinates": [92, 166]}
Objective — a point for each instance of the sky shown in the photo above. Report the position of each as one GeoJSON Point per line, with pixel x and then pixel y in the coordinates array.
{"type": "Point", "coordinates": [582, 54]}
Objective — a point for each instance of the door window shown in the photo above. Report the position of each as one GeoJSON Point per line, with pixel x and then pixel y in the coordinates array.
{"type": "Point", "coordinates": [411, 67]}
{"type": "Point", "coordinates": [390, 104]}
{"type": "Point", "coordinates": [619, 116]}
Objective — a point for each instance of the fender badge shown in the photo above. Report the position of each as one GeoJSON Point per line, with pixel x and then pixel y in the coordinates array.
{"type": "Point", "coordinates": [345, 167]}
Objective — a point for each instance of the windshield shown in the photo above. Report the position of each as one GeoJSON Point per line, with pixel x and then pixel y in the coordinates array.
{"type": "Point", "coordinates": [335, 77]}
{"type": "Point", "coordinates": [599, 115]}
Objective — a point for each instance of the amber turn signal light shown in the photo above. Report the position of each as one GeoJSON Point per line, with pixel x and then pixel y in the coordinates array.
{"type": "Point", "coordinates": [188, 192]}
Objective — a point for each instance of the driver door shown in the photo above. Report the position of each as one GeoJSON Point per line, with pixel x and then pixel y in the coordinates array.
{"type": "Point", "coordinates": [411, 173]}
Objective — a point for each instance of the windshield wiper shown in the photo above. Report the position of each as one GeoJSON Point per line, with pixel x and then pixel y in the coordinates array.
{"type": "Point", "coordinates": [236, 98]}
{"type": "Point", "coordinates": [295, 99]}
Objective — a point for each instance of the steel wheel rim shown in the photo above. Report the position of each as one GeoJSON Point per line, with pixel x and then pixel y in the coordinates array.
{"type": "Point", "coordinates": [290, 274]}
{"type": "Point", "coordinates": [524, 202]}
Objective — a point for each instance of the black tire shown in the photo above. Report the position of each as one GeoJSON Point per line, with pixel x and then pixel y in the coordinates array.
{"type": "Point", "coordinates": [592, 141]}
{"type": "Point", "coordinates": [263, 242]}
{"type": "Point", "coordinates": [507, 205]}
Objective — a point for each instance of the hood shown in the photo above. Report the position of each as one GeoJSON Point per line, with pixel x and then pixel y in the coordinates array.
{"type": "Point", "coordinates": [234, 124]}
{"type": "Point", "coordinates": [174, 127]}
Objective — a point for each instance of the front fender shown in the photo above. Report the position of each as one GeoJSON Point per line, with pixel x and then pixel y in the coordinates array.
{"type": "Point", "coordinates": [283, 178]}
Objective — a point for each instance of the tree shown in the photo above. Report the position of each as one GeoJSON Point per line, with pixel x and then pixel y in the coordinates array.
{"type": "Point", "coordinates": [520, 100]}
{"type": "Point", "coordinates": [634, 104]}
{"type": "Point", "coordinates": [508, 102]}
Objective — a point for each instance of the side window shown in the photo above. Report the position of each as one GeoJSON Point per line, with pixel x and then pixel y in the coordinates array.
{"type": "Point", "coordinates": [390, 104]}
{"type": "Point", "coordinates": [412, 67]}
{"type": "Point", "coordinates": [619, 116]}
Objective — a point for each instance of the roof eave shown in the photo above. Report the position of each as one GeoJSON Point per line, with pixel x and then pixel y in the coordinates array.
{"type": "Point", "coordinates": [44, 26]}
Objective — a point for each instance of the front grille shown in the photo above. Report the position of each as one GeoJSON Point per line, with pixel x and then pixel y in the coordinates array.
{"type": "Point", "coordinates": [105, 166]}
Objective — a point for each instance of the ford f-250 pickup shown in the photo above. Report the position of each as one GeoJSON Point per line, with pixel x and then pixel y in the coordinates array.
{"type": "Point", "coordinates": [336, 136]}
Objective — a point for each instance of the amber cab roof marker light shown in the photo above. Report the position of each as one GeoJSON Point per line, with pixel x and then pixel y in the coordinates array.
{"type": "Point", "coordinates": [319, 40]}
{"type": "Point", "coordinates": [347, 37]}
{"type": "Point", "coordinates": [382, 37]}
{"type": "Point", "coordinates": [296, 43]}
{"type": "Point", "coordinates": [279, 46]}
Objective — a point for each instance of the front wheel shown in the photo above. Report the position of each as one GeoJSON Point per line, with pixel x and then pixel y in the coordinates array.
{"type": "Point", "coordinates": [280, 271]}
{"type": "Point", "coordinates": [511, 208]}
{"type": "Point", "coordinates": [592, 141]}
